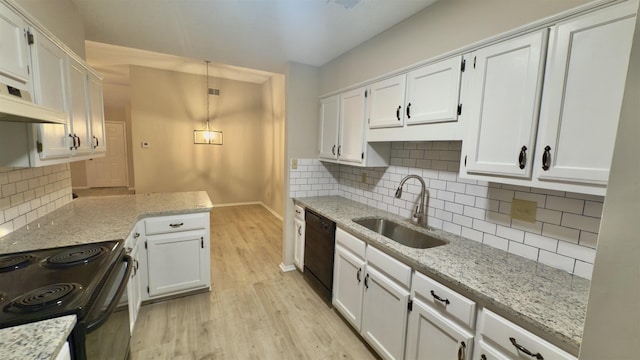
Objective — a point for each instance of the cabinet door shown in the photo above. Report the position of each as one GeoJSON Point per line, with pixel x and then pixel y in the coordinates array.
{"type": "Point", "coordinates": [431, 335]}
{"type": "Point", "coordinates": [176, 262]}
{"type": "Point", "coordinates": [98, 138]}
{"type": "Point", "coordinates": [133, 289]}
{"type": "Point", "coordinates": [352, 117]}
{"type": "Point", "coordinates": [348, 275]}
{"type": "Point", "coordinates": [13, 42]}
{"type": "Point", "coordinates": [503, 98]}
{"type": "Point", "coordinates": [329, 119]}
{"type": "Point", "coordinates": [485, 351]}
{"type": "Point", "coordinates": [386, 104]}
{"type": "Point", "coordinates": [79, 115]}
{"type": "Point", "coordinates": [50, 90]}
{"type": "Point", "coordinates": [299, 229]}
{"type": "Point", "coordinates": [586, 75]}
{"type": "Point", "coordinates": [433, 92]}
{"type": "Point", "coordinates": [384, 315]}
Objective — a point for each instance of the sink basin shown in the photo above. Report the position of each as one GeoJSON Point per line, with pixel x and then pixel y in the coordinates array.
{"type": "Point", "coordinates": [400, 233]}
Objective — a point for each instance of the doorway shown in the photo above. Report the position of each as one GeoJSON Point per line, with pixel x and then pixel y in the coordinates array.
{"type": "Point", "coordinates": [110, 170]}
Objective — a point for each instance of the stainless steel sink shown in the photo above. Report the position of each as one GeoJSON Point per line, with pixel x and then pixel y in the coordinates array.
{"type": "Point", "coordinates": [400, 233]}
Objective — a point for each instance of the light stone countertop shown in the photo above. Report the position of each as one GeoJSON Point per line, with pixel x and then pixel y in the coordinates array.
{"type": "Point", "coordinates": [550, 303]}
{"type": "Point", "coordinates": [95, 219]}
{"type": "Point", "coordinates": [36, 341]}
{"type": "Point", "coordinates": [84, 220]}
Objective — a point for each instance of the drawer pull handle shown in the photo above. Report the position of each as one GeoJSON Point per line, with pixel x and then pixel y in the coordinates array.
{"type": "Point", "coordinates": [398, 113]}
{"type": "Point", "coordinates": [136, 235]}
{"type": "Point", "coordinates": [524, 350]}
{"type": "Point", "coordinates": [299, 230]}
{"type": "Point", "coordinates": [546, 158]}
{"type": "Point", "coordinates": [358, 275]}
{"type": "Point", "coordinates": [522, 158]}
{"type": "Point", "coordinates": [445, 301]}
{"type": "Point", "coordinates": [176, 225]}
{"type": "Point", "coordinates": [462, 351]}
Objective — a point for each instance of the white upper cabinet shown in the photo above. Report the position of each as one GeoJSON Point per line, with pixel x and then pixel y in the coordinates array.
{"type": "Point", "coordinates": [329, 121]}
{"type": "Point", "coordinates": [387, 102]}
{"type": "Point", "coordinates": [342, 126]}
{"type": "Point", "coordinates": [14, 51]}
{"type": "Point", "coordinates": [505, 82]}
{"type": "Point", "coordinates": [49, 64]}
{"type": "Point", "coordinates": [98, 138]}
{"type": "Point", "coordinates": [586, 74]}
{"type": "Point", "coordinates": [433, 92]}
{"type": "Point", "coordinates": [352, 115]}
{"type": "Point", "coordinates": [80, 135]}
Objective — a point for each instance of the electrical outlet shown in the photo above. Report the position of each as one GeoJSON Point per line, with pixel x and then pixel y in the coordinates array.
{"type": "Point", "coordinates": [523, 210]}
{"type": "Point", "coordinates": [294, 164]}
{"type": "Point", "coordinates": [364, 177]}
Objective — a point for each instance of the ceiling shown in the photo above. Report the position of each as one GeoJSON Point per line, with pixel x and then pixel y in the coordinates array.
{"type": "Point", "coordinates": [246, 40]}
{"type": "Point", "coordinates": [256, 34]}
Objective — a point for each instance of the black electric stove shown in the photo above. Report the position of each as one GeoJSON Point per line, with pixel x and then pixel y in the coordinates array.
{"type": "Point", "coordinates": [83, 280]}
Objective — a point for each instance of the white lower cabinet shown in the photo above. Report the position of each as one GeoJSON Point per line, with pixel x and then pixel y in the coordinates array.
{"type": "Point", "coordinates": [371, 290]}
{"type": "Point", "coordinates": [134, 298]}
{"type": "Point", "coordinates": [176, 254]}
{"type": "Point", "coordinates": [64, 353]}
{"type": "Point", "coordinates": [299, 229]}
{"type": "Point", "coordinates": [502, 339]}
{"type": "Point", "coordinates": [441, 323]}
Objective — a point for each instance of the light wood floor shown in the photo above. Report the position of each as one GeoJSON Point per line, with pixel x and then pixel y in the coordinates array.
{"type": "Point", "coordinates": [254, 310]}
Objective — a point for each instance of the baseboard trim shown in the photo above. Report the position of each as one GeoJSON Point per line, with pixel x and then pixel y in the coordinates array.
{"type": "Point", "coordinates": [272, 211]}
{"type": "Point", "coordinates": [80, 187]}
{"type": "Point", "coordinates": [287, 268]}
{"type": "Point", "coordinates": [237, 204]}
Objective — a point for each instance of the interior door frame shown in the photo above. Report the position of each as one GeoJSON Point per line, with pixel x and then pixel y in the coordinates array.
{"type": "Point", "coordinates": [126, 152]}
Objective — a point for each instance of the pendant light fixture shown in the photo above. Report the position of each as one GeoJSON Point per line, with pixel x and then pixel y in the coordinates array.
{"type": "Point", "coordinates": [208, 136]}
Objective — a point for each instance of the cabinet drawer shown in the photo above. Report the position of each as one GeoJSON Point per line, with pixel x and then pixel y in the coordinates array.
{"type": "Point", "coordinates": [504, 333]}
{"type": "Point", "coordinates": [171, 224]}
{"type": "Point", "coordinates": [452, 303]}
{"type": "Point", "coordinates": [299, 211]}
{"type": "Point", "coordinates": [350, 242]}
{"type": "Point", "coordinates": [487, 352]}
{"type": "Point", "coordinates": [390, 266]}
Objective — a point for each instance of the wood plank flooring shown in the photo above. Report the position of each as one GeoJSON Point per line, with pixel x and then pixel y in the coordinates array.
{"type": "Point", "coordinates": [254, 310]}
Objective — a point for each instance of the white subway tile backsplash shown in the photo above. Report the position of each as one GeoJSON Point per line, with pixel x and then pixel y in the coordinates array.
{"type": "Point", "coordinates": [564, 234]}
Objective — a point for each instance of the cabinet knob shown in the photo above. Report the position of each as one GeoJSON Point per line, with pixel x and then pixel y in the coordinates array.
{"type": "Point", "coordinates": [136, 235]}
{"type": "Point", "coordinates": [522, 158]}
{"type": "Point", "coordinates": [546, 158]}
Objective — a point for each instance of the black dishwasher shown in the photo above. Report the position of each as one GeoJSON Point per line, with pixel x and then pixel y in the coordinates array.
{"type": "Point", "coordinates": [319, 244]}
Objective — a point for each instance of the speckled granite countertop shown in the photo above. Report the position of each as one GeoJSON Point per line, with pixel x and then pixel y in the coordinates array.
{"type": "Point", "coordinates": [548, 302]}
{"type": "Point", "coordinates": [94, 219]}
{"type": "Point", "coordinates": [35, 341]}
{"type": "Point", "coordinates": [84, 220]}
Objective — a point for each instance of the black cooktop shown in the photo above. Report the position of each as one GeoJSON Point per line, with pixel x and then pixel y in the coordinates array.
{"type": "Point", "coordinates": [42, 284]}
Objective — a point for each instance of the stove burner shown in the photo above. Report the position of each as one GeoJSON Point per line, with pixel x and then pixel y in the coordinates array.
{"type": "Point", "coordinates": [44, 297]}
{"type": "Point", "coordinates": [15, 262]}
{"type": "Point", "coordinates": [76, 255]}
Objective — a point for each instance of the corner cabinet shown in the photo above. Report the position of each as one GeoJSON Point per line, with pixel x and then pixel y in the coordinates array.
{"type": "Point", "coordinates": [134, 299]}
{"type": "Point", "coordinates": [342, 137]}
{"type": "Point", "coordinates": [177, 255]}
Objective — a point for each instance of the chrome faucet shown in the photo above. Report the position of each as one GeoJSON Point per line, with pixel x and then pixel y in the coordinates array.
{"type": "Point", "coordinates": [420, 212]}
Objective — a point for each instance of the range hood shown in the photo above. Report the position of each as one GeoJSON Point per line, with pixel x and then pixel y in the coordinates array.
{"type": "Point", "coordinates": [16, 106]}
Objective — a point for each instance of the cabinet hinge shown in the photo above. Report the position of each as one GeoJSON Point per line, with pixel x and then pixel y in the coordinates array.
{"type": "Point", "coordinates": [474, 62]}
{"type": "Point", "coordinates": [39, 146]}
{"type": "Point", "coordinates": [30, 38]}
{"type": "Point", "coordinates": [459, 109]}
{"type": "Point", "coordinates": [463, 65]}
{"type": "Point", "coordinates": [410, 305]}
{"type": "Point", "coordinates": [202, 242]}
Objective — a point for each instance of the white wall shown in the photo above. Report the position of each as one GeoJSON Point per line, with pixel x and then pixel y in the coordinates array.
{"type": "Point", "coordinates": [612, 325]}
{"type": "Point", "coordinates": [442, 27]}
{"type": "Point", "coordinates": [61, 18]}
{"type": "Point", "coordinates": [273, 118]}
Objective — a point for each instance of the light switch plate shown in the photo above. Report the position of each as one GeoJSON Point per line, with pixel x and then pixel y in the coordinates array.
{"type": "Point", "coordinates": [524, 210]}
{"type": "Point", "coordinates": [294, 164]}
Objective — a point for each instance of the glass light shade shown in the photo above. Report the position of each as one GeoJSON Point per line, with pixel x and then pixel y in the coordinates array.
{"type": "Point", "coordinates": [208, 137]}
